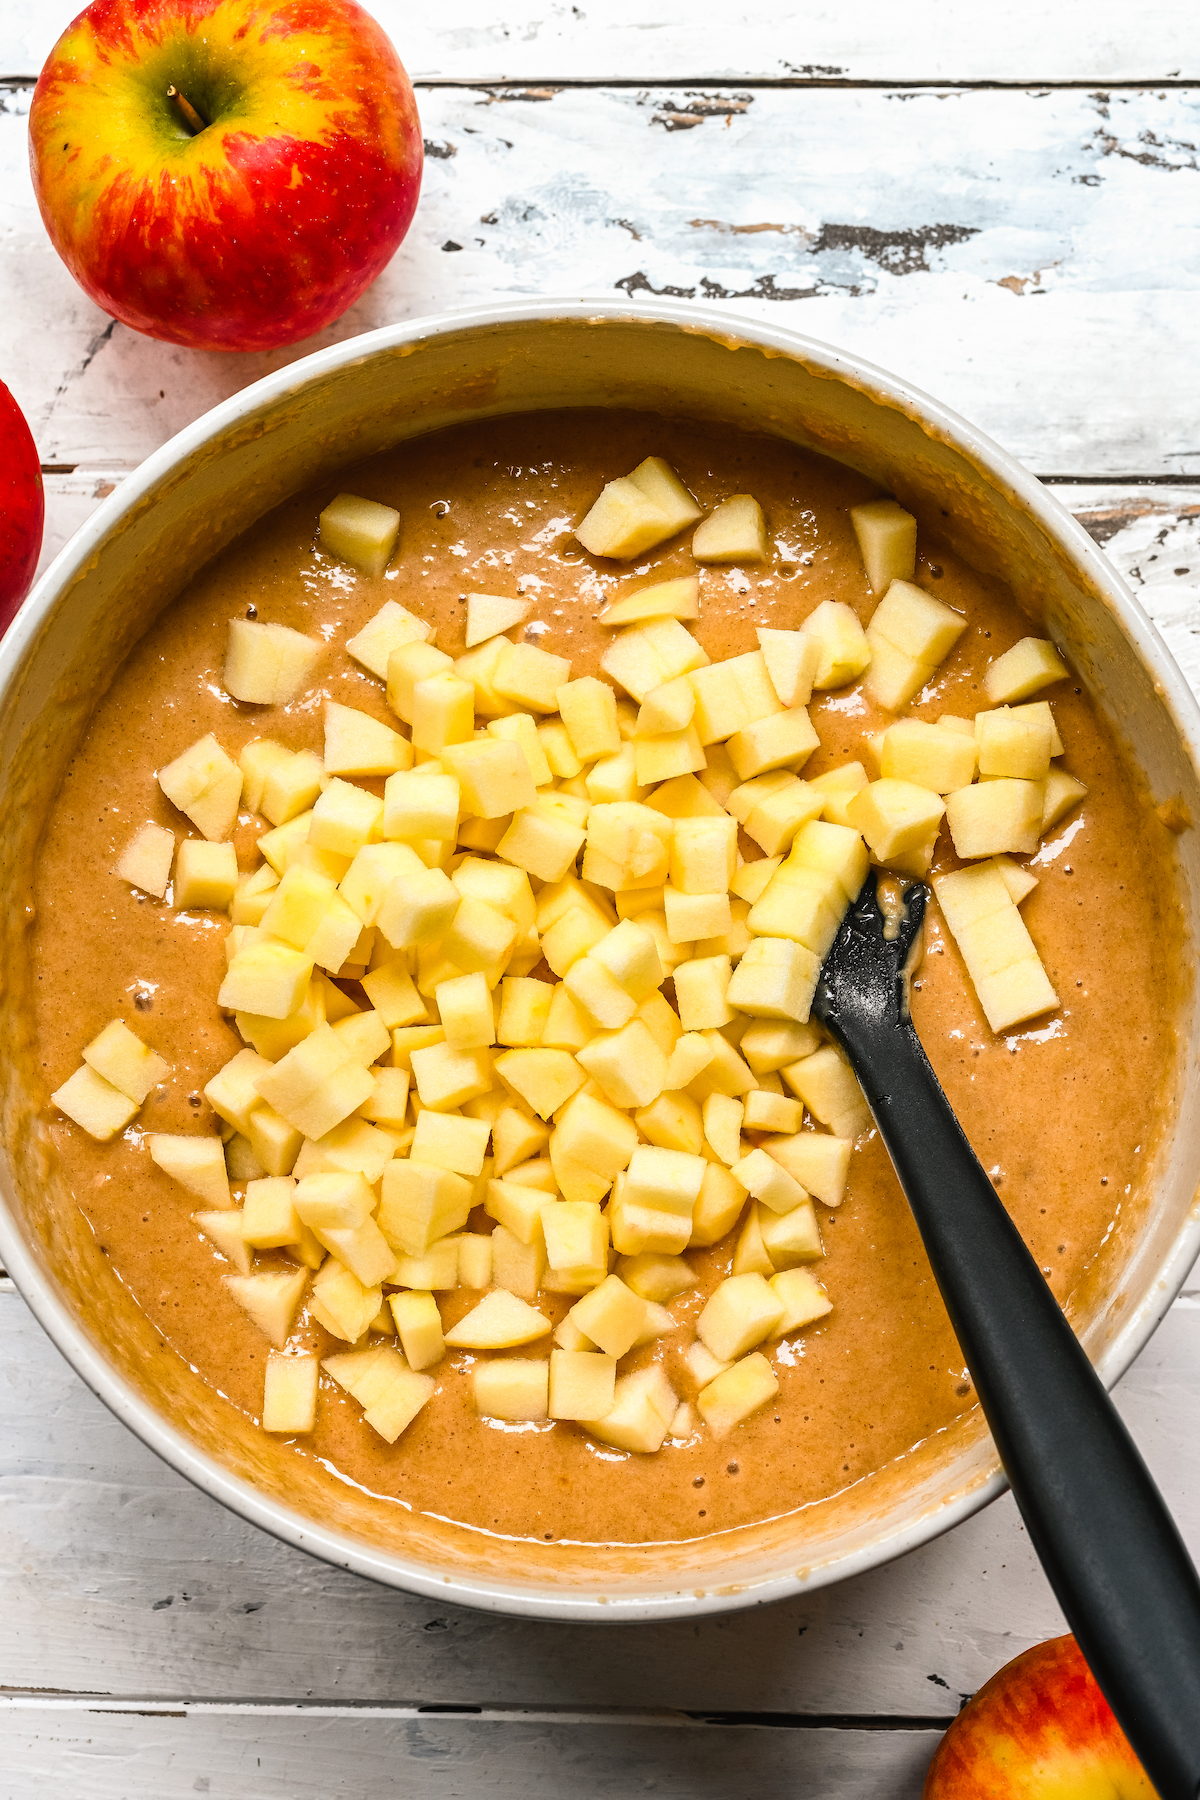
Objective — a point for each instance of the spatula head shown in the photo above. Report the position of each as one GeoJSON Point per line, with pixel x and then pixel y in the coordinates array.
{"type": "Point", "coordinates": [866, 975]}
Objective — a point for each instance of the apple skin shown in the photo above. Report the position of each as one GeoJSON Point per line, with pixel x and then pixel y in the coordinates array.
{"type": "Point", "coordinates": [22, 507]}
{"type": "Point", "coordinates": [265, 226]}
{"type": "Point", "coordinates": [1039, 1730]}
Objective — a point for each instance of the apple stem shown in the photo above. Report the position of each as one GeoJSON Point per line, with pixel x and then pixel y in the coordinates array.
{"type": "Point", "coordinates": [191, 117]}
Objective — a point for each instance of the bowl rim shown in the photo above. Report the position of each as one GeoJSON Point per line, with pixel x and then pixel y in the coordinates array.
{"type": "Point", "coordinates": [527, 1599]}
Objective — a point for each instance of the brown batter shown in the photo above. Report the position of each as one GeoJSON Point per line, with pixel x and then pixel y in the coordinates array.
{"type": "Point", "coordinates": [1064, 1115]}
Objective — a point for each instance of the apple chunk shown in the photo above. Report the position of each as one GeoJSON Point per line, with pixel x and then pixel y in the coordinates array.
{"type": "Point", "coordinates": [146, 859]}
{"type": "Point", "coordinates": [734, 532]}
{"type": "Point", "coordinates": [360, 532]}
{"type": "Point", "coordinates": [265, 664]}
{"type": "Point", "coordinates": [637, 512]}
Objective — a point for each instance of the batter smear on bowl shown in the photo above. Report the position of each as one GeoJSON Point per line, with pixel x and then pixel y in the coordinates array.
{"type": "Point", "coordinates": [429, 922]}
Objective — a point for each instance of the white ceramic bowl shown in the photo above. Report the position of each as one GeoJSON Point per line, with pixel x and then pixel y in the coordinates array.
{"type": "Point", "coordinates": [284, 433]}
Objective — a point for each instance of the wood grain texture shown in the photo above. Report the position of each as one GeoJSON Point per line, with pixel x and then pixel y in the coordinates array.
{"type": "Point", "coordinates": [979, 242]}
{"type": "Point", "coordinates": [645, 40]}
{"type": "Point", "coordinates": [109, 1755]}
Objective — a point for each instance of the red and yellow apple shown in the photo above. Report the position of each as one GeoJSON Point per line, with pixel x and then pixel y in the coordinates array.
{"type": "Point", "coordinates": [226, 174]}
{"type": "Point", "coordinates": [22, 507]}
{"type": "Point", "coordinates": [1039, 1730]}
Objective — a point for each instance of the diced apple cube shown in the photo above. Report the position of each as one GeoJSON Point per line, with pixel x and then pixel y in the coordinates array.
{"type": "Point", "coordinates": [612, 1316]}
{"type": "Point", "coordinates": [996, 816]}
{"type": "Point", "coordinates": [673, 1122]}
{"type": "Point", "coordinates": [233, 1091]}
{"type": "Point", "coordinates": [595, 1137]}
{"type": "Point", "coordinates": [271, 1300]}
{"type": "Point", "coordinates": [701, 990]}
{"type": "Point", "coordinates": [419, 1324]}
{"type": "Point", "coordinates": [524, 1011]}
{"type": "Point", "coordinates": [829, 1088]}
{"type": "Point", "coordinates": [252, 895]}
{"type": "Point", "coordinates": [542, 840]}
{"type": "Point", "coordinates": [360, 532]}
{"type": "Point", "coordinates": [734, 532]}
{"type": "Point", "coordinates": [421, 1204]}
{"type": "Point", "coordinates": [793, 659]}
{"type": "Point", "coordinates": [125, 1062]}
{"type": "Point", "coordinates": [544, 1078]}
{"type": "Point", "coordinates": [519, 1209]}
{"type": "Point", "coordinates": [775, 979]}
{"type": "Point", "coordinates": [436, 1270]}
{"type": "Point", "coordinates": [638, 511]}
{"type": "Point", "coordinates": [768, 1181]}
{"type": "Point", "coordinates": [363, 1035]}
{"type": "Point", "coordinates": [475, 1260]}
{"type": "Point", "coordinates": [197, 1163]}
{"type": "Point", "coordinates": [910, 634]}
{"type": "Point", "coordinates": [316, 1085]}
{"type": "Point", "coordinates": [895, 816]}
{"type": "Point", "coordinates": [446, 1077]}
{"type": "Point", "coordinates": [576, 1237]}
{"type": "Point", "coordinates": [145, 862]}
{"type": "Point", "coordinates": [1030, 665]}
{"type": "Point", "coordinates": [786, 738]}
{"type": "Point", "coordinates": [726, 1073]}
{"type": "Point", "coordinates": [804, 1299]}
{"type": "Point", "coordinates": [643, 1410]}
{"type": "Point", "coordinates": [742, 1311]}
{"type": "Point", "coordinates": [465, 1008]}
{"type": "Point", "coordinates": [722, 1115]}
{"type": "Point", "coordinates": [737, 1393]}
{"type": "Point", "coordinates": [629, 1064]}
{"type": "Point", "coordinates": [340, 1302]}
{"type": "Point", "coordinates": [290, 1393]}
{"type": "Point", "coordinates": [732, 695]}
{"type": "Point", "coordinates": [395, 1409]}
{"type": "Point", "coordinates": [410, 664]}
{"type": "Point", "coordinates": [333, 1201]}
{"type": "Point", "coordinates": [500, 1322]}
{"type": "Point", "coordinates": [360, 1248]}
{"type": "Point", "coordinates": [206, 786]}
{"type": "Point", "coordinates": [444, 1141]}
{"type": "Point", "coordinates": [1000, 956]}
{"type": "Point", "coordinates": [887, 542]}
{"type": "Point", "coordinates": [661, 1181]}
{"type": "Point", "coordinates": [1062, 793]}
{"type": "Point", "coordinates": [646, 656]}
{"type": "Point", "coordinates": [844, 650]}
{"type": "Point", "coordinates": [768, 1045]}
{"type": "Point", "coordinates": [531, 677]}
{"type": "Point", "coordinates": [256, 760]}
{"type": "Point", "coordinates": [662, 758]}
{"type": "Point", "coordinates": [928, 756]}
{"type": "Point", "coordinates": [344, 818]}
{"type": "Point", "coordinates": [269, 1218]}
{"type": "Point", "coordinates": [589, 713]}
{"type": "Point", "coordinates": [790, 1238]}
{"type": "Point", "coordinates": [678, 599]}
{"type": "Point", "coordinates": [582, 1384]}
{"type": "Point", "coordinates": [418, 909]}
{"type": "Point", "coordinates": [703, 855]}
{"type": "Point", "coordinates": [518, 1268]}
{"type": "Point", "coordinates": [772, 1112]}
{"type": "Point", "coordinates": [515, 1138]}
{"type": "Point", "coordinates": [513, 1388]}
{"type": "Point", "coordinates": [691, 918]}
{"type": "Point", "coordinates": [357, 744]}
{"type": "Point", "coordinates": [718, 1204]}
{"type": "Point", "coordinates": [223, 1230]}
{"type": "Point", "coordinates": [1014, 741]}
{"type": "Point", "coordinates": [490, 614]}
{"type": "Point", "coordinates": [267, 665]}
{"type": "Point", "coordinates": [493, 777]}
{"type": "Point", "coordinates": [666, 708]}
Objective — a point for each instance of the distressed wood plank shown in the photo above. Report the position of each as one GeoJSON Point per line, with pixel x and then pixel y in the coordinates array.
{"type": "Point", "coordinates": [668, 39]}
{"type": "Point", "coordinates": [307, 1756]}
{"type": "Point", "coordinates": [977, 242]}
{"type": "Point", "coordinates": [116, 1576]}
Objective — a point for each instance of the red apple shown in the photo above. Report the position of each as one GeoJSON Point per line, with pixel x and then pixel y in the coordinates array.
{"type": "Point", "coordinates": [1039, 1730]}
{"type": "Point", "coordinates": [226, 174]}
{"type": "Point", "coordinates": [22, 507]}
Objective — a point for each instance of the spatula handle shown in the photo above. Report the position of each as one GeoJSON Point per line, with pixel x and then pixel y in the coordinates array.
{"type": "Point", "coordinates": [1105, 1538]}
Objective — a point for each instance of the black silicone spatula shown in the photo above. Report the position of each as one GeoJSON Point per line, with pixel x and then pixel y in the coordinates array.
{"type": "Point", "coordinates": [1105, 1538]}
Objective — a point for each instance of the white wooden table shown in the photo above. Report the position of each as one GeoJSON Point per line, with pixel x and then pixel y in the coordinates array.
{"type": "Point", "coordinates": [1003, 206]}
